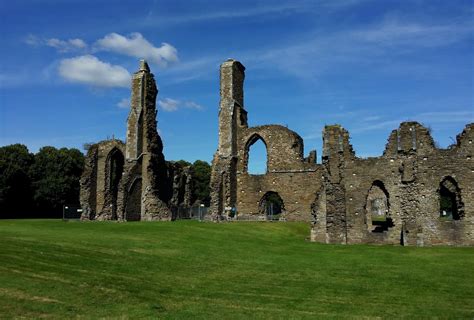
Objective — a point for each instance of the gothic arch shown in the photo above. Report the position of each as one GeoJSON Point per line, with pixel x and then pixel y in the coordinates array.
{"type": "Point", "coordinates": [450, 201]}
{"type": "Point", "coordinates": [271, 205]}
{"type": "Point", "coordinates": [377, 208]}
{"type": "Point", "coordinates": [114, 170]}
{"type": "Point", "coordinates": [251, 141]}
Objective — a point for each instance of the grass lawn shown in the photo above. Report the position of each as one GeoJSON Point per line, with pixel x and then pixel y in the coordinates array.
{"type": "Point", "coordinates": [187, 269]}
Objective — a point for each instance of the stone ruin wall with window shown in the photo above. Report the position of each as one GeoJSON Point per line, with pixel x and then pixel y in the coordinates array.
{"type": "Point", "coordinates": [132, 181]}
{"type": "Point", "coordinates": [397, 198]}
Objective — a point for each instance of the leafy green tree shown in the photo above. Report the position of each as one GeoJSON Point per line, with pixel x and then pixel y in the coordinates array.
{"type": "Point", "coordinates": [183, 163]}
{"type": "Point", "coordinates": [15, 184]}
{"type": "Point", "coordinates": [56, 174]}
{"type": "Point", "coordinates": [202, 176]}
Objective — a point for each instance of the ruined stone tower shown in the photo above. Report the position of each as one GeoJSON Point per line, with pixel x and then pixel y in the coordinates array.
{"type": "Point", "coordinates": [413, 194]}
{"type": "Point", "coordinates": [145, 166]}
{"type": "Point", "coordinates": [232, 116]}
{"type": "Point", "coordinates": [139, 185]}
{"type": "Point", "coordinates": [232, 187]}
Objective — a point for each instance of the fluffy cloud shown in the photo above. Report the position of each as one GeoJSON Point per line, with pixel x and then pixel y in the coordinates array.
{"type": "Point", "coordinates": [65, 46]}
{"type": "Point", "coordinates": [137, 46]}
{"type": "Point", "coordinates": [90, 70]}
{"type": "Point", "coordinates": [171, 105]}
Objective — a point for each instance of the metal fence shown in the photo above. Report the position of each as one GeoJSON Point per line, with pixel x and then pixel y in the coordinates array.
{"type": "Point", "coordinates": [200, 213]}
{"type": "Point", "coordinates": [195, 213]}
{"type": "Point", "coordinates": [71, 212]}
{"type": "Point", "coordinates": [257, 217]}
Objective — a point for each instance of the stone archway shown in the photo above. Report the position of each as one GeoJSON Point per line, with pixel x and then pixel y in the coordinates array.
{"type": "Point", "coordinates": [255, 139]}
{"type": "Point", "coordinates": [377, 208]}
{"type": "Point", "coordinates": [450, 203]}
{"type": "Point", "coordinates": [271, 205]}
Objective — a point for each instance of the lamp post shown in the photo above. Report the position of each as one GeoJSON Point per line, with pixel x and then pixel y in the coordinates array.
{"type": "Point", "coordinates": [200, 213]}
{"type": "Point", "coordinates": [64, 212]}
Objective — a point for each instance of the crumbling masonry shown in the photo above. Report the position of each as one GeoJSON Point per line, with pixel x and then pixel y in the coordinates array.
{"type": "Point", "coordinates": [414, 194]}
{"type": "Point", "coordinates": [132, 181]}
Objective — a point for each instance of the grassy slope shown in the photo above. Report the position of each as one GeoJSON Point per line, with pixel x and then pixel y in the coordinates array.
{"type": "Point", "coordinates": [237, 270]}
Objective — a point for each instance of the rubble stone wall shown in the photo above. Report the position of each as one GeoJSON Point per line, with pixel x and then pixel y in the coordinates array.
{"type": "Point", "coordinates": [132, 180]}
{"type": "Point", "coordinates": [339, 197]}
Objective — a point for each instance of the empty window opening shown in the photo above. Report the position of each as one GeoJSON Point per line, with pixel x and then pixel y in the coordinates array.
{"type": "Point", "coordinates": [378, 208]}
{"type": "Point", "coordinates": [257, 157]}
{"type": "Point", "coordinates": [272, 206]}
{"type": "Point", "coordinates": [450, 204]}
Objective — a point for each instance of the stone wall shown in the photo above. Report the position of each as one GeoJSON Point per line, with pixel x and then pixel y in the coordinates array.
{"type": "Point", "coordinates": [411, 171]}
{"type": "Point", "coordinates": [132, 180]}
{"type": "Point", "coordinates": [395, 198]}
{"type": "Point", "coordinates": [97, 190]}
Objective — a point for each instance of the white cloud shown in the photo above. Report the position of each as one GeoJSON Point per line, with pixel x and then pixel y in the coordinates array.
{"type": "Point", "coordinates": [192, 105]}
{"type": "Point", "coordinates": [371, 118]}
{"type": "Point", "coordinates": [90, 70]}
{"type": "Point", "coordinates": [78, 43]}
{"type": "Point", "coordinates": [137, 46]}
{"type": "Point", "coordinates": [172, 105]}
{"type": "Point", "coordinates": [124, 103]}
{"type": "Point", "coordinates": [61, 45]}
{"type": "Point", "coordinates": [394, 32]}
{"type": "Point", "coordinates": [378, 123]}
{"type": "Point", "coordinates": [168, 104]}
{"type": "Point", "coordinates": [319, 53]}
{"type": "Point", "coordinates": [32, 40]}
{"type": "Point", "coordinates": [426, 118]}
{"type": "Point", "coordinates": [272, 10]}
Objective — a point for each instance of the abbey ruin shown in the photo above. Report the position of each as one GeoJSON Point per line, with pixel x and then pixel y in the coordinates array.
{"type": "Point", "coordinates": [414, 194]}
{"type": "Point", "coordinates": [132, 181]}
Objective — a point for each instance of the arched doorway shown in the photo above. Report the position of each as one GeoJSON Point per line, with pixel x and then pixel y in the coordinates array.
{"type": "Point", "coordinates": [134, 201]}
{"type": "Point", "coordinates": [377, 208]}
{"type": "Point", "coordinates": [450, 204]}
{"type": "Point", "coordinates": [272, 205]}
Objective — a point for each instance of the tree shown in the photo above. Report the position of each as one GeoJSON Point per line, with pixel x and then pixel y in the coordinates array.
{"type": "Point", "coordinates": [183, 163]}
{"type": "Point", "coordinates": [56, 174]}
{"type": "Point", "coordinates": [15, 183]}
{"type": "Point", "coordinates": [201, 171]}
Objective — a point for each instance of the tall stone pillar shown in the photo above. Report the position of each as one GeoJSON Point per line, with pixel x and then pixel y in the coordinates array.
{"type": "Point", "coordinates": [145, 165]}
{"type": "Point", "coordinates": [336, 152]}
{"type": "Point", "coordinates": [232, 116]}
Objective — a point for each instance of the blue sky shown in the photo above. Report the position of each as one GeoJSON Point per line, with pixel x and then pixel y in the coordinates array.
{"type": "Point", "coordinates": [367, 65]}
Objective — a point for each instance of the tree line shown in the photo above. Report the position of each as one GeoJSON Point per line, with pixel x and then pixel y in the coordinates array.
{"type": "Point", "coordinates": [39, 185]}
{"type": "Point", "coordinates": [201, 172]}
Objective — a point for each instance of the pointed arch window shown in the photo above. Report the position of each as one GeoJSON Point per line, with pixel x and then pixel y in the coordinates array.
{"type": "Point", "coordinates": [451, 206]}
{"type": "Point", "coordinates": [378, 216]}
{"type": "Point", "coordinates": [256, 156]}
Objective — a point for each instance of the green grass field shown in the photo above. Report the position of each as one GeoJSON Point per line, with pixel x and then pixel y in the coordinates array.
{"type": "Point", "coordinates": [187, 269]}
